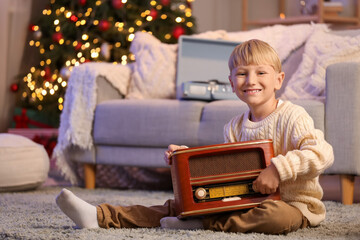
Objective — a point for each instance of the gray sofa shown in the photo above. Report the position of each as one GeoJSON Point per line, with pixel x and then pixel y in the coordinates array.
{"type": "Point", "coordinates": [137, 132]}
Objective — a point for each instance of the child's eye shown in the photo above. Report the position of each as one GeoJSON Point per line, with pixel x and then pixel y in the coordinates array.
{"type": "Point", "coordinates": [240, 74]}
{"type": "Point", "coordinates": [261, 73]}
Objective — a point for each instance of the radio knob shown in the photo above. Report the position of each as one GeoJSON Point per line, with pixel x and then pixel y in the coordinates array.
{"type": "Point", "coordinates": [200, 193]}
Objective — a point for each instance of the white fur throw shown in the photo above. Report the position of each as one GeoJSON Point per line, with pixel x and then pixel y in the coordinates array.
{"type": "Point", "coordinates": [79, 106]}
{"type": "Point", "coordinates": [321, 50]}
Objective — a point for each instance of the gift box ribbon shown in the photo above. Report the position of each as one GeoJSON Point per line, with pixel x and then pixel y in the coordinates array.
{"type": "Point", "coordinates": [23, 121]}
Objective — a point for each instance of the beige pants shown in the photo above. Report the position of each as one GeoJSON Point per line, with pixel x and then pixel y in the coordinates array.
{"type": "Point", "coordinates": [271, 217]}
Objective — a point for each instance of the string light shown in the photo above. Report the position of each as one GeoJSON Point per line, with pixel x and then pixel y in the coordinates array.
{"type": "Point", "coordinates": [85, 37]}
{"type": "Point", "coordinates": [178, 19]}
{"type": "Point", "coordinates": [131, 37]}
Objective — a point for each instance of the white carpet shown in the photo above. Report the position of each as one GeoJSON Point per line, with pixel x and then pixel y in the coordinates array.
{"type": "Point", "coordinates": [34, 215]}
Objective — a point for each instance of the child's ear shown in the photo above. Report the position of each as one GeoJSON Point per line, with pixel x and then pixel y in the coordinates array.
{"type": "Point", "coordinates": [231, 83]}
{"type": "Point", "coordinates": [279, 80]}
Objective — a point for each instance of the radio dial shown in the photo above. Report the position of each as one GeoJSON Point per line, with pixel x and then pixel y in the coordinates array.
{"type": "Point", "coordinates": [200, 193]}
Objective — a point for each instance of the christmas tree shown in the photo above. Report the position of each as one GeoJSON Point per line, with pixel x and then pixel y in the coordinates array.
{"type": "Point", "coordinates": [72, 32]}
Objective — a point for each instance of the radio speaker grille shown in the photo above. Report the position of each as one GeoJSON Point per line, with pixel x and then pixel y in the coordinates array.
{"type": "Point", "coordinates": [226, 163]}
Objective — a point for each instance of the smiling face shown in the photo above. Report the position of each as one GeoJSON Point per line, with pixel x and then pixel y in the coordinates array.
{"type": "Point", "coordinates": [256, 84]}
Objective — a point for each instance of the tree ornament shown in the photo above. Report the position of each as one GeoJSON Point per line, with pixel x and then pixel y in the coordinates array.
{"type": "Point", "coordinates": [78, 46]}
{"type": "Point", "coordinates": [178, 31]}
{"type": "Point", "coordinates": [165, 2]}
{"type": "Point", "coordinates": [117, 4]}
{"type": "Point", "coordinates": [153, 13]}
{"type": "Point", "coordinates": [104, 25]}
{"type": "Point", "coordinates": [82, 2]}
{"type": "Point", "coordinates": [47, 75]}
{"type": "Point", "coordinates": [74, 18]}
{"type": "Point", "coordinates": [56, 37]}
{"type": "Point", "coordinates": [37, 35]}
{"type": "Point", "coordinates": [32, 27]}
{"type": "Point", "coordinates": [14, 87]}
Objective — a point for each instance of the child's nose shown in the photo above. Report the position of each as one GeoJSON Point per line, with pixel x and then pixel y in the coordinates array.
{"type": "Point", "coordinates": [250, 78]}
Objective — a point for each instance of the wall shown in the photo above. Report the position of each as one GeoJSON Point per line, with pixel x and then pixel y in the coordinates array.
{"type": "Point", "coordinates": [16, 56]}
{"type": "Point", "coordinates": [14, 15]}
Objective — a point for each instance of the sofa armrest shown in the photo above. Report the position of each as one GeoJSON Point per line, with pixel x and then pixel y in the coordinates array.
{"type": "Point", "coordinates": [342, 116]}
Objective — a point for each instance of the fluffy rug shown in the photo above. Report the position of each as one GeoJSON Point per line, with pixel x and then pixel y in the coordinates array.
{"type": "Point", "coordinates": [34, 215]}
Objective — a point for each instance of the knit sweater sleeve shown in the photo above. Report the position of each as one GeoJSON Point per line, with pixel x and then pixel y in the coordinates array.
{"type": "Point", "coordinates": [310, 154]}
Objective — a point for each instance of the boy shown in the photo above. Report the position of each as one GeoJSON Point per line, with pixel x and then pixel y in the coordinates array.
{"type": "Point", "coordinates": [301, 153]}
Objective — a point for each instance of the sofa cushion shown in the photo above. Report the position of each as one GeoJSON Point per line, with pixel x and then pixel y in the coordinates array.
{"type": "Point", "coordinates": [154, 69]}
{"type": "Point", "coordinates": [215, 115]}
{"type": "Point", "coordinates": [131, 156]}
{"type": "Point", "coordinates": [150, 122]}
{"type": "Point", "coordinates": [290, 65]}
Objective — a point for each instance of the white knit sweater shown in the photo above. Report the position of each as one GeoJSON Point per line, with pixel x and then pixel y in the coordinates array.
{"type": "Point", "coordinates": [301, 151]}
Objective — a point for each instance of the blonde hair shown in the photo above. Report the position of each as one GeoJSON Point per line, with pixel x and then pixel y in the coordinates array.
{"type": "Point", "coordinates": [254, 52]}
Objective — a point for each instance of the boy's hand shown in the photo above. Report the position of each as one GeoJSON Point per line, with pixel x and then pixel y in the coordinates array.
{"type": "Point", "coordinates": [171, 148]}
{"type": "Point", "coordinates": [268, 180]}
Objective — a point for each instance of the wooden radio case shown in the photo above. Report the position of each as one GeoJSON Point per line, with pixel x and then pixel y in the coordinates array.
{"type": "Point", "coordinates": [218, 178]}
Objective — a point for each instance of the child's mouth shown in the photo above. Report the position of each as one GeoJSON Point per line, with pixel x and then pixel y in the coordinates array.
{"type": "Point", "coordinates": [252, 91]}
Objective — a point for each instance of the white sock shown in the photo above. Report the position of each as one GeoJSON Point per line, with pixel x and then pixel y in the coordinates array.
{"type": "Point", "coordinates": [83, 214]}
{"type": "Point", "coordinates": [175, 223]}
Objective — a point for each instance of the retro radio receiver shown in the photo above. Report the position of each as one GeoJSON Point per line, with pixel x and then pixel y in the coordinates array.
{"type": "Point", "coordinates": [218, 178]}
